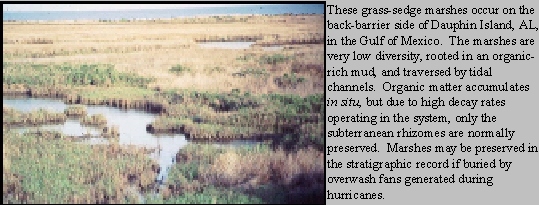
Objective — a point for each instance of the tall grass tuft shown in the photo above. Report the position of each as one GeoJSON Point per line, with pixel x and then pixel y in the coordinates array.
{"type": "Point", "coordinates": [75, 111]}
{"type": "Point", "coordinates": [248, 170]}
{"type": "Point", "coordinates": [98, 120]}
{"type": "Point", "coordinates": [179, 69]}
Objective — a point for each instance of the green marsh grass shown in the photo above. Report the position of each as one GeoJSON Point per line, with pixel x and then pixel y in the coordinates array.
{"type": "Point", "coordinates": [210, 195]}
{"type": "Point", "coordinates": [206, 115]}
{"type": "Point", "coordinates": [69, 75]}
{"type": "Point", "coordinates": [203, 174]}
{"type": "Point", "coordinates": [61, 171]}
{"type": "Point", "coordinates": [203, 115]}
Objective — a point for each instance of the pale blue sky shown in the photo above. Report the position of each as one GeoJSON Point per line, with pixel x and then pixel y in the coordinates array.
{"type": "Point", "coordinates": [105, 7]}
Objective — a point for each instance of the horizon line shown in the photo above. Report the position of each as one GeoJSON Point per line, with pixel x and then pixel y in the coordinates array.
{"type": "Point", "coordinates": [113, 7]}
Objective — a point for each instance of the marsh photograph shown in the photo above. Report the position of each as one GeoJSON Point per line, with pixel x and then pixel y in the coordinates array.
{"type": "Point", "coordinates": [168, 103]}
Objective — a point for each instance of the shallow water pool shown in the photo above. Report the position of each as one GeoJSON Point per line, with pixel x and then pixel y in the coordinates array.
{"type": "Point", "coordinates": [131, 124]}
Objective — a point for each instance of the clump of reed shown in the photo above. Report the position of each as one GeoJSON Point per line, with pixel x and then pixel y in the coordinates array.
{"type": "Point", "coordinates": [55, 91]}
{"type": "Point", "coordinates": [197, 128]}
{"type": "Point", "coordinates": [290, 120]}
{"type": "Point", "coordinates": [110, 132]}
{"type": "Point", "coordinates": [75, 111]}
{"type": "Point", "coordinates": [223, 133]}
{"type": "Point", "coordinates": [184, 176]}
{"type": "Point", "coordinates": [256, 72]}
{"type": "Point", "coordinates": [308, 38]}
{"type": "Point", "coordinates": [247, 169]}
{"type": "Point", "coordinates": [15, 89]}
{"type": "Point", "coordinates": [98, 120]}
{"type": "Point", "coordinates": [125, 98]}
{"type": "Point", "coordinates": [35, 117]}
{"type": "Point", "coordinates": [233, 168]}
{"type": "Point", "coordinates": [167, 125]}
{"type": "Point", "coordinates": [211, 70]}
{"type": "Point", "coordinates": [179, 69]}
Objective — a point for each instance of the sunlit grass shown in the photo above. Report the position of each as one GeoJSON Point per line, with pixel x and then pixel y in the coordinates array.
{"type": "Point", "coordinates": [254, 171]}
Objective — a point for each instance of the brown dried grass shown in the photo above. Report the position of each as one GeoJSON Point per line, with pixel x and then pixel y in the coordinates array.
{"type": "Point", "coordinates": [151, 48]}
{"type": "Point", "coordinates": [278, 167]}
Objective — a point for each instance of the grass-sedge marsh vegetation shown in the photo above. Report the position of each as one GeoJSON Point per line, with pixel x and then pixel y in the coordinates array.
{"type": "Point", "coordinates": [206, 94]}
